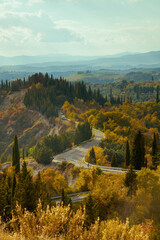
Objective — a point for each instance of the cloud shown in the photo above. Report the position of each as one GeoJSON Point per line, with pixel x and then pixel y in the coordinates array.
{"type": "Point", "coordinates": [18, 35]}
{"type": "Point", "coordinates": [30, 2]}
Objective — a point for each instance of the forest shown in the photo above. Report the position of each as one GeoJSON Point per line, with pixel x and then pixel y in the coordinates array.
{"type": "Point", "coordinates": [119, 205]}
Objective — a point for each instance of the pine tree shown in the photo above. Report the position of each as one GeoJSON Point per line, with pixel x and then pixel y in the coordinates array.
{"type": "Point", "coordinates": [127, 154]}
{"type": "Point", "coordinates": [15, 155]}
{"type": "Point", "coordinates": [138, 151]}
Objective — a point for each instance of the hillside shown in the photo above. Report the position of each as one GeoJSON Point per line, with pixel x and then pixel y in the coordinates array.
{"type": "Point", "coordinates": [64, 65]}
{"type": "Point", "coordinates": [30, 125]}
{"type": "Point", "coordinates": [15, 117]}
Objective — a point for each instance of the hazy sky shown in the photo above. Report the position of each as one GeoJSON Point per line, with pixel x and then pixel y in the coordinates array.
{"type": "Point", "coordinates": [78, 27]}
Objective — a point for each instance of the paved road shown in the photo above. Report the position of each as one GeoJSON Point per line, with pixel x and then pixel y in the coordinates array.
{"type": "Point", "coordinates": [76, 154]}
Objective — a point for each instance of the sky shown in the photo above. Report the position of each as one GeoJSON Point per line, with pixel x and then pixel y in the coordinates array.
{"type": "Point", "coordinates": [78, 27]}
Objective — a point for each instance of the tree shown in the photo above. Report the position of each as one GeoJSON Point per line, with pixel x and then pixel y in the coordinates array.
{"type": "Point", "coordinates": [40, 191]}
{"type": "Point", "coordinates": [157, 97]}
{"type": "Point", "coordinates": [2, 196]}
{"type": "Point", "coordinates": [23, 154]}
{"type": "Point", "coordinates": [127, 154]}
{"type": "Point", "coordinates": [13, 190]}
{"type": "Point", "coordinates": [92, 156]}
{"type": "Point", "coordinates": [15, 155]}
{"type": "Point", "coordinates": [25, 189]}
{"type": "Point", "coordinates": [114, 162]}
{"type": "Point", "coordinates": [64, 199]}
{"type": "Point", "coordinates": [154, 145]}
{"type": "Point", "coordinates": [130, 181]}
{"type": "Point", "coordinates": [138, 151]}
{"type": "Point", "coordinates": [154, 153]}
{"type": "Point", "coordinates": [42, 154]}
{"type": "Point", "coordinates": [90, 217]}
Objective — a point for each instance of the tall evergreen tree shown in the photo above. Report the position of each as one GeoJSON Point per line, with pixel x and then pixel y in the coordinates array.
{"type": "Point", "coordinates": [90, 216]}
{"type": "Point", "coordinates": [154, 153]}
{"type": "Point", "coordinates": [138, 151]}
{"type": "Point", "coordinates": [92, 156]}
{"type": "Point", "coordinates": [2, 196]}
{"type": "Point", "coordinates": [154, 145]}
{"type": "Point", "coordinates": [127, 154]}
{"type": "Point", "coordinates": [16, 155]}
{"type": "Point", "coordinates": [25, 189]}
{"type": "Point", "coordinates": [23, 154]}
{"type": "Point", "coordinates": [114, 161]}
{"type": "Point", "coordinates": [157, 97]}
{"type": "Point", "coordinates": [13, 191]}
{"type": "Point", "coordinates": [40, 191]}
{"type": "Point", "coordinates": [130, 181]}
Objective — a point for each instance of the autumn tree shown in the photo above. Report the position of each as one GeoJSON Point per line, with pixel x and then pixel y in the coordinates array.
{"type": "Point", "coordinates": [16, 155]}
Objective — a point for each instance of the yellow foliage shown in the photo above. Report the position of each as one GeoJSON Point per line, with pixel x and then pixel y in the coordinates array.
{"type": "Point", "coordinates": [116, 230]}
{"type": "Point", "coordinates": [101, 159]}
{"type": "Point", "coordinates": [54, 181]}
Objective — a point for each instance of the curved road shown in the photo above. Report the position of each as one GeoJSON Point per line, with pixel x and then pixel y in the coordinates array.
{"type": "Point", "coordinates": [77, 153]}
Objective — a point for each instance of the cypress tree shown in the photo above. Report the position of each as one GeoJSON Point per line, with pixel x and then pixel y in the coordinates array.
{"type": "Point", "coordinates": [154, 153]}
{"type": "Point", "coordinates": [40, 191]}
{"type": "Point", "coordinates": [13, 190]}
{"type": "Point", "coordinates": [138, 151]}
{"type": "Point", "coordinates": [127, 154]}
{"type": "Point", "coordinates": [25, 189]}
{"type": "Point", "coordinates": [2, 196]}
{"type": "Point", "coordinates": [157, 97]}
{"type": "Point", "coordinates": [114, 162]}
{"type": "Point", "coordinates": [130, 181]}
{"type": "Point", "coordinates": [23, 154]}
{"type": "Point", "coordinates": [90, 218]}
{"type": "Point", "coordinates": [15, 155]}
{"type": "Point", "coordinates": [154, 145]}
{"type": "Point", "coordinates": [92, 156]}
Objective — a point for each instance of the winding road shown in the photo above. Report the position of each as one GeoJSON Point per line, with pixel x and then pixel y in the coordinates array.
{"type": "Point", "coordinates": [77, 153]}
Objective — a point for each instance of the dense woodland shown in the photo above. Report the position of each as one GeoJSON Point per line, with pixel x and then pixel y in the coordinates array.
{"type": "Point", "coordinates": [46, 94]}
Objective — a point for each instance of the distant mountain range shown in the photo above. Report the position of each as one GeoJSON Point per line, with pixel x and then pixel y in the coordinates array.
{"type": "Point", "coordinates": [64, 65]}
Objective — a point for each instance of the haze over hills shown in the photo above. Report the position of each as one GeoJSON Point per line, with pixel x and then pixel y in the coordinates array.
{"type": "Point", "coordinates": [65, 65]}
